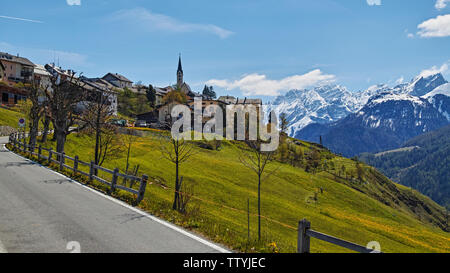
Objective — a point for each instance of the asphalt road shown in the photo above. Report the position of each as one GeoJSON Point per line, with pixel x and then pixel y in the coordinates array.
{"type": "Point", "coordinates": [41, 211]}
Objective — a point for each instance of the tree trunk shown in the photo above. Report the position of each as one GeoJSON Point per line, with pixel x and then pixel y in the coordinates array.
{"type": "Point", "coordinates": [60, 142]}
{"type": "Point", "coordinates": [46, 128]}
{"type": "Point", "coordinates": [60, 135]}
{"type": "Point", "coordinates": [175, 200]}
{"type": "Point", "coordinates": [97, 137]}
{"type": "Point", "coordinates": [54, 131]}
{"type": "Point", "coordinates": [259, 207]}
{"type": "Point", "coordinates": [34, 126]}
{"type": "Point", "coordinates": [128, 164]}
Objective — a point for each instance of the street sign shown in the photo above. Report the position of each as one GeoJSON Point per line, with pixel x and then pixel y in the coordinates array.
{"type": "Point", "coordinates": [22, 122]}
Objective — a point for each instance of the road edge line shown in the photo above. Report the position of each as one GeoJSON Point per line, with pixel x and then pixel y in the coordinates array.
{"type": "Point", "coordinates": [139, 211]}
{"type": "Point", "coordinates": [2, 248]}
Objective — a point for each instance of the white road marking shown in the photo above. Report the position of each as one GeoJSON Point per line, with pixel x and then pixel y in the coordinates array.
{"type": "Point", "coordinates": [2, 248]}
{"type": "Point", "coordinates": [123, 204]}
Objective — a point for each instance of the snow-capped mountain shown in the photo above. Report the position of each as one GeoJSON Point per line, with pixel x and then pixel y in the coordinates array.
{"type": "Point", "coordinates": [440, 99]}
{"type": "Point", "coordinates": [385, 122]}
{"type": "Point", "coordinates": [421, 85]}
{"type": "Point", "coordinates": [324, 104]}
{"type": "Point", "coordinates": [330, 103]}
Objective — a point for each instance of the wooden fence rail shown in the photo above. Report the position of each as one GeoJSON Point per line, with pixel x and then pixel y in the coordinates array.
{"type": "Point", "coordinates": [60, 159]}
{"type": "Point", "coordinates": [305, 233]}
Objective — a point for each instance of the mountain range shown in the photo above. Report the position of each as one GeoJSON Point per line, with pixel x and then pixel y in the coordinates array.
{"type": "Point", "coordinates": [377, 119]}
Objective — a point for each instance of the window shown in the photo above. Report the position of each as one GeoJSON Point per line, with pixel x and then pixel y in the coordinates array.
{"type": "Point", "coordinates": [5, 97]}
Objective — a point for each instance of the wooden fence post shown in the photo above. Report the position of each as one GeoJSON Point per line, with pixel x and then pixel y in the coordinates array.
{"type": "Point", "coordinates": [61, 161]}
{"type": "Point", "coordinates": [91, 171]}
{"type": "Point", "coordinates": [50, 153]}
{"type": "Point", "coordinates": [75, 165]}
{"type": "Point", "coordinates": [114, 180]}
{"type": "Point", "coordinates": [303, 245]}
{"type": "Point", "coordinates": [39, 152]}
{"type": "Point", "coordinates": [140, 196]}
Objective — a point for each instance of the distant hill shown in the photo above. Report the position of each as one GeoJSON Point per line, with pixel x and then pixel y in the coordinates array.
{"type": "Point", "coordinates": [424, 164]}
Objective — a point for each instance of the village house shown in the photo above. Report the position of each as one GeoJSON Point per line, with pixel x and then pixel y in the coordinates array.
{"type": "Point", "coordinates": [103, 87]}
{"type": "Point", "coordinates": [11, 95]}
{"type": "Point", "coordinates": [42, 76]}
{"type": "Point", "coordinates": [14, 69]}
{"type": "Point", "coordinates": [92, 85]}
{"type": "Point", "coordinates": [17, 69]}
{"type": "Point", "coordinates": [59, 72]}
{"type": "Point", "coordinates": [160, 93]}
{"type": "Point", "coordinates": [118, 80]}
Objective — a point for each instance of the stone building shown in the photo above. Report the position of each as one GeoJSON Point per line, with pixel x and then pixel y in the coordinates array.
{"type": "Point", "coordinates": [118, 80]}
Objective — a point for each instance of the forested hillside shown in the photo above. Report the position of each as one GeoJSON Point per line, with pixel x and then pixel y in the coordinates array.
{"type": "Point", "coordinates": [425, 166]}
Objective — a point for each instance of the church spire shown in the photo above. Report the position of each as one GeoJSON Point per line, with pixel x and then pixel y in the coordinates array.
{"type": "Point", "coordinates": [180, 67]}
{"type": "Point", "coordinates": [179, 74]}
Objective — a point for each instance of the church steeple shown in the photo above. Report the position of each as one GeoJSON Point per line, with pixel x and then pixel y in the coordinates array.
{"type": "Point", "coordinates": [179, 73]}
{"type": "Point", "coordinates": [180, 67]}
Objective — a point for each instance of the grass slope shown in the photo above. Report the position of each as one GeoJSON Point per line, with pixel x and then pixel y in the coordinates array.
{"type": "Point", "coordinates": [372, 212]}
{"type": "Point", "coordinates": [9, 118]}
{"type": "Point", "coordinates": [377, 210]}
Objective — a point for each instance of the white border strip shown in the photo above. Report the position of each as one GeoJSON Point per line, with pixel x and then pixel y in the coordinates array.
{"type": "Point", "coordinates": [123, 204]}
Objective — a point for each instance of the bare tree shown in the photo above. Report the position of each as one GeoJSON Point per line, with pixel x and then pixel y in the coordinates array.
{"type": "Point", "coordinates": [110, 144]}
{"type": "Point", "coordinates": [258, 161]}
{"type": "Point", "coordinates": [35, 92]}
{"type": "Point", "coordinates": [63, 95]}
{"type": "Point", "coordinates": [96, 116]}
{"type": "Point", "coordinates": [129, 138]}
{"type": "Point", "coordinates": [176, 151]}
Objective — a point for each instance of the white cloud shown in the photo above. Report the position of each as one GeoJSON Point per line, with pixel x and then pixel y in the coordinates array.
{"type": "Point", "coordinates": [434, 70]}
{"type": "Point", "coordinates": [441, 4]}
{"type": "Point", "coordinates": [73, 2]}
{"type": "Point", "coordinates": [153, 21]}
{"type": "Point", "coordinates": [410, 35]}
{"type": "Point", "coordinates": [257, 84]}
{"type": "Point", "coordinates": [400, 80]}
{"type": "Point", "coordinates": [435, 27]}
{"type": "Point", "coordinates": [20, 19]}
{"type": "Point", "coordinates": [374, 2]}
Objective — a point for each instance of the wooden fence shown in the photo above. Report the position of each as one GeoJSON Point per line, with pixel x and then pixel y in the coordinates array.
{"type": "Point", "coordinates": [60, 159]}
{"type": "Point", "coordinates": [305, 233]}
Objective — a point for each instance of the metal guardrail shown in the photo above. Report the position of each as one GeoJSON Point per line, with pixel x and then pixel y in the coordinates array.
{"type": "Point", "coordinates": [60, 159]}
{"type": "Point", "coordinates": [305, 233]}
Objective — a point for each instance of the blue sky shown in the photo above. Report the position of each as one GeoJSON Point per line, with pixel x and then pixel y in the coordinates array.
{"type": "Point", "coordinates": [244, 47]}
